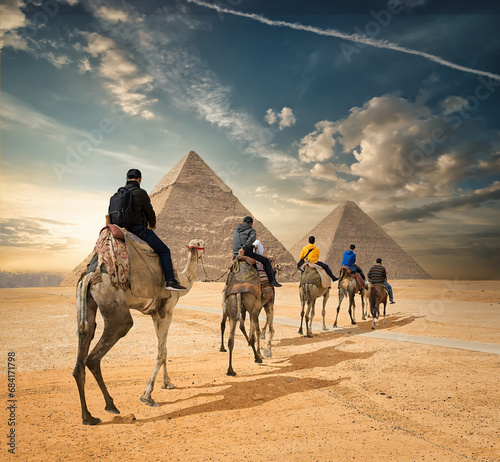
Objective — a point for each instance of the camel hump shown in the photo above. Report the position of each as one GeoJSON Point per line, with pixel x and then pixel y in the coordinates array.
{"type": "Point", "coordinates": [310, 276]}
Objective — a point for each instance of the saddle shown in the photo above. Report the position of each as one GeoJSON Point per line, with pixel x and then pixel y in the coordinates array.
{"type": "Point", "coordinates": [345, 273]}
{"type": "Point", "coordinates": [130, 263]}
{"type": "Point", "coordinates": [314, 274]}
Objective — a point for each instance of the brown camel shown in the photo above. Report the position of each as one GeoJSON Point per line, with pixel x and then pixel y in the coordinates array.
{"type": "Point", "coordinates": [308, 293]}
{"type": "Point", "coordinates": [114, 304]}
{"type": "Point", "coordinates": [349, 285]}
{"type": "Point", "coordinates": [239, 298]}
{"type": "Point", "coordinates": [375, 295]}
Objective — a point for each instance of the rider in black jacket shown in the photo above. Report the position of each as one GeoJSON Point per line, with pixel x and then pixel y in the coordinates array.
{"type": "Point", "coordinates": [144, 216]}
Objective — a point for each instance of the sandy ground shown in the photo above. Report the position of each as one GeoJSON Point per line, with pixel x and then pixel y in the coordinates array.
{"type": "Point", "coordinates": [338, 396]}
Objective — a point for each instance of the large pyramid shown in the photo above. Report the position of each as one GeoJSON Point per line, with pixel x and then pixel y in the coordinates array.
{"type": "Point", "coordinates": [348, 224]}
{"type": "Point", "coordinates": [192, 202]}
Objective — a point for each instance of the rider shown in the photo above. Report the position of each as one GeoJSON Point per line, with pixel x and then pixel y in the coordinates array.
{"type": "Point", "coordinates": [378, 275]}
{"type": "Point", "coordinates": [349, 260]}
{"type": "Point", "coordinates": [312, 253]}
{"type": "Point", "coordinates": [243, 238]}
{"type": "Point", "coordinates": [145, 222]}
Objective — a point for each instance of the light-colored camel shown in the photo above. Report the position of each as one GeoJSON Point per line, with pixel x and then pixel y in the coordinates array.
{"type": "Point", "coordinates": [375, 295]}
{"type": "Point", "coordinates": [349, 286]}
{"type": "Point", "coordinates": [268, 306]}
{"type": "Point", "coordinates": [114, 305]}
{"type": "Point", "coordinates": [308, 294]}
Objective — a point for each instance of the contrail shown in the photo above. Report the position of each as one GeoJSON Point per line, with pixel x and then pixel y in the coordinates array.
{"type": "Point", "coordinates": [351, 37]}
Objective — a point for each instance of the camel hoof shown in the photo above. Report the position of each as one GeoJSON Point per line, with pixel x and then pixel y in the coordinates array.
{"type": "Point", "coordinates": [231, 373]}
{"type": "Point", "coordinates": [112, 409]}
{"type": "Point", "coordinates": [268, 353]}
{"type": "Point", "coordinates": [325, 329]}
{"type": "Point", "coordinates": [258, 360]}
{"type": "Point", "coordinates": [149, 401]}
{"type": "Point", "coordinates": [373, 328]}
{"type": "Point", "coordinates": [222, 350]}
{"type": "Point", "coordinates": [168, 386]}
{"type": "Point", "coordinates": [353, 322]}
{"type": "Point", "coordinates": [335, 325]}
{"type": "Point", "coordinates": [309, 335]}
{"type": "Point", "coordinates": [91, 421]}
{"type": "Point", "coordinates": [262, 336]}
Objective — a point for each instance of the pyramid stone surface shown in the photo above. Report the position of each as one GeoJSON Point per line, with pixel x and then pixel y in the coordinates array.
{"type": "Point", "coordinates": [347, 225]}
{"type": "Point", "coordinates": [192, 202]}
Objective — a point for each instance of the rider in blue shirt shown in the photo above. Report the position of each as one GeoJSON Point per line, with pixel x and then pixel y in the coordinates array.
{"type": "Point", "coordinates": [349, 260]}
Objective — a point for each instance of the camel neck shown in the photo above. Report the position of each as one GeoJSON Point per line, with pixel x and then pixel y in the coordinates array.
{"type": "Point", "coordinates": [186, 278]}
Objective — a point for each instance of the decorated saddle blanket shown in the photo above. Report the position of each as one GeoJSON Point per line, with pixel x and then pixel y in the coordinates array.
{"type": "Point", "coordinates": [265, 286]}
{"type": "Point", "coordinates": [130, 263]}
{"type": "Point", "coordinates": [242, 278]}
{"type": "Point", "coordinates": [314, 274]}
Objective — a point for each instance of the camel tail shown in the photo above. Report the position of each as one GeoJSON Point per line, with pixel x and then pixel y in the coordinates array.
{"type": "Point", "coordinates": [238, 305]}
{"type": "Point", "coordinates": [81, 303]}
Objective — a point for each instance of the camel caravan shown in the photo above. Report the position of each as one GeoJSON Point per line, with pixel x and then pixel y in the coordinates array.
{"type": "Point", "coordinates": [130, 268]}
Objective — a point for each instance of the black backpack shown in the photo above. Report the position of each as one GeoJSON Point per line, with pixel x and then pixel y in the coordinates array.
{"type": "Point", "coordinates": [120, 208]}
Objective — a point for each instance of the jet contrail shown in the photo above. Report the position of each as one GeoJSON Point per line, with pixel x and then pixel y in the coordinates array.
{"type": "Point", "coordinates": [351, 37]}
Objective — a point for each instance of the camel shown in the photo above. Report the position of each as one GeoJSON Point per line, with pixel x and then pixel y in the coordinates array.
{"type": "Point", "coordinates": [349, 285]}
{"type": "Point", "coordinates": [308, 293]}
{"type": "Point", "coordinates": [114, 304]}
{"type": "Point", "coordinates": [375, 295]}
{"type": "Point", "coordinates": [246, 297]}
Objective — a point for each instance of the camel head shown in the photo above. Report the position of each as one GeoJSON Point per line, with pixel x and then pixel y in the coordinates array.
{"type": "Point", "coordinates": [198, 246]}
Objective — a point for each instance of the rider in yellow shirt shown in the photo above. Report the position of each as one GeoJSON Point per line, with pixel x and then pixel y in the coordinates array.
{"type": "Point", "coordinates": [313, 257]}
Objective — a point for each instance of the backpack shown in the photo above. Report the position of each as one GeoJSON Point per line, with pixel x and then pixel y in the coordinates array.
{"type": "Point", "coordinates": [120, 208]}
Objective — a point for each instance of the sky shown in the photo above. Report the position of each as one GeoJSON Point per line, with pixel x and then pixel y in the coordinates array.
{"type": "Point", "coordinates": [297, 106]}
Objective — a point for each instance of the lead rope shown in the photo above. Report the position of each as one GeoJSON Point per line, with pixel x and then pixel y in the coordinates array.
{"type": "Point", "coordinates": [208, 278]}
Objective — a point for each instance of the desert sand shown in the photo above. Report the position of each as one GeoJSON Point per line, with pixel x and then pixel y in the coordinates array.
{"type": "Point", "coordinates": [341, 395]}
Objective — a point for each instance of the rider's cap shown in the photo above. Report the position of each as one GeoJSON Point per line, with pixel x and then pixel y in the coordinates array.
{"type": "Point", "coordinates": [248, 220]}
{"type": "Point", "coordinates": [134, 173]}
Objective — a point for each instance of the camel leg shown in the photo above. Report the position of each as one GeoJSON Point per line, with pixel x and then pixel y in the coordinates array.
{"type": "Point", "coordinates": [242, 318]}
{"type": "Point", "coordinates": [352, 308]}
{"type": "Point", "coordinates": [309, 317]}
{"type": "Point", "coordinates": [341, 297]}
{"type": "Point", "coordinates": [162, 326]}
{"type": "Point", "coordinates": [84, 340]}
{"type": "Point", "coordinates": [233, 309]}
{"type": "Point", "coordinates": [222, 329]}
{"type": "Point", "coordinates": [323, 311]}
{"type": "Point", "coordinates": [117, 322]}
{"type": "Point", "coordinates": [269, 307]}
{"type": "Point", "coordinates": [254, 336]}
{"type": "Point", "coordinates": [303, 303]}
{"type": "Point", "coordinates": [385, 304]}
{"type": "Point", "coordinates": [363, 314]}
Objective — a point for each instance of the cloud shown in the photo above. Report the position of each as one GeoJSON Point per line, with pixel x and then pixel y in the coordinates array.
{"type": "Point", "coordinates": [329, 171]}
{"type": "Point", "coordinates": [285, 118]}
{"type": "Point", "coordinates": [58, 61]}
{"type": "Point", "coordinates": [356, 38]}
{"type": "Point", "coordinates": [111, 14]}
{"type": "Point", "coordinates": [84, 66]}
{"type": "Point", "coordinates": [318, 145]}
{"type": "Point", "coordinates": [453, 104]}
{"type": "Point", "coordinates": [12, 16]}
{"type": "Point", "coordinates": [122, 77]}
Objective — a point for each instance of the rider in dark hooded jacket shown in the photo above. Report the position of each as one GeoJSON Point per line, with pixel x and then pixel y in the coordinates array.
{"type": "Point", "coordinates": [243, 238]}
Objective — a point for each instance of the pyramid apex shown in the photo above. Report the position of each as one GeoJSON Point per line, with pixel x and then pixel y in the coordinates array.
{"type": "Point", "coordinates": [191, 169]}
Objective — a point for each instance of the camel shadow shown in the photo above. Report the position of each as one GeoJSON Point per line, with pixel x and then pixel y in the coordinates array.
{"type": "Point", "coordinates": [393, 321]}
{"type": "Point", "coordinates": [266, 387]}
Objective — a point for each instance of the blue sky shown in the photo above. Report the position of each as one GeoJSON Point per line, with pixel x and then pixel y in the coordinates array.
{"type": "Point", "coordinates": [298, 106]}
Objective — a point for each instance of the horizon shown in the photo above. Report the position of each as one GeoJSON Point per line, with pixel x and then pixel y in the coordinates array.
{"type": "Point", "coordinates": [297, 108]}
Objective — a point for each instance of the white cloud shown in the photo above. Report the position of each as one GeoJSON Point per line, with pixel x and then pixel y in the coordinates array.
{"type": "Point", "coordinates": [58, 61]}
{"type": "Point", "coordinates": [403, 152]}
{"type": "Point", "coordinates": [285, 118]}
{"type": "Point", "coordinates": [122, 77]}
{"type": "Point", "coordinates": [453, 104]}
{"type": "Point", "coordinates": [84, 66]}
{"type": "Point", "coordinates": [271, 117]}
{"type": "Point", "coordinates": [12, 16]}
{"type": "Point", "coordinates": [318, 145]}
{"type": "Point", "coordinates": [111, 14]}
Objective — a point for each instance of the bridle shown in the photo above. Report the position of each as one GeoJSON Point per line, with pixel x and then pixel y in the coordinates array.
{"type": "Point", "coordinates": [196, 248]}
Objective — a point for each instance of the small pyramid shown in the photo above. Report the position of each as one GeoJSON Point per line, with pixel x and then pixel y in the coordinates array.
{"type": "Point", "coordinates": [192, 202]}
{"type": "Point", "coordinates": [347, 225]}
